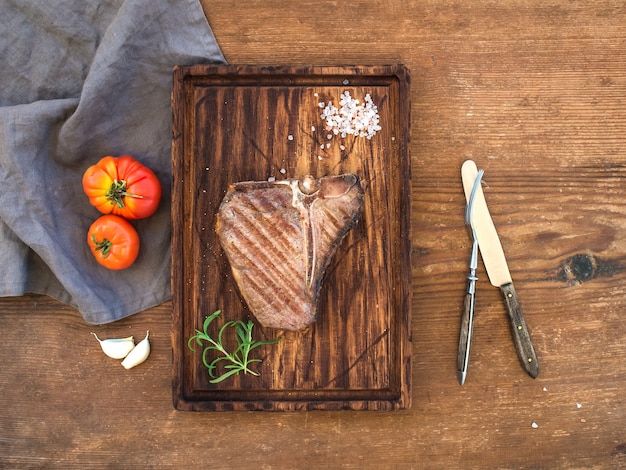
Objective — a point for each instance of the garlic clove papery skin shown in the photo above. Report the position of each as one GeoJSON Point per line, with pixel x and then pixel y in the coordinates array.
{"type": "Point", "coordinates": [116, 348]}
{"type": "Point", "coordinates": [139, 354]}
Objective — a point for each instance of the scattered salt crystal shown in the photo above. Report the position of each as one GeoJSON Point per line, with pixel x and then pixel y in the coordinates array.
{"type": "Point", "coordinates": [352, 118]}
{"type": "Point", "coordinates": [289, 137]}
{"type": "Point", "coordinates": [545, 389]}
{"type": "Point", "coordinates": [534, 425]}
{"type": "Point", "coordinates": [346, 81]}
{"type": "Point", "coordinates": [327, 146]}
{"type": "Point", "coordinates": [312, 128]}
{"type": "Point", "coordinates": [342, 147]}
{"type": "Point", "coordinates": [271, 179]}
{"type": "Point", "coordinates": [393, 139]}
{"type": "Point", "coordinates": [319, 157]}
{"type": "Point", "coordinates": [315, 94]}
{"type": "Point", "coordinates": [206, 168]}
{"type": "Point", "coordinates": [579, 405]}
{"type": "Point", "coordinates": [283, 171]}
{"type": "Point", "coordinates": [322, 146]}
{"type": "Point", "coordinates": [583, 420]}
{"type": "Point", "coordinates": [329, 136]}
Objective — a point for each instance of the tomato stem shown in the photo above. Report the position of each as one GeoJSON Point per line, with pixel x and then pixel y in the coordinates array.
{"type": "Point", "coordinates": [117, 192]}
{"type": "Point", "coordinates": [104, 246]}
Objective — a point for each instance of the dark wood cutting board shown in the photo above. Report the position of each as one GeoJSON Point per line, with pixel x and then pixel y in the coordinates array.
{"type": "Point", "coordinates": [248, 123]}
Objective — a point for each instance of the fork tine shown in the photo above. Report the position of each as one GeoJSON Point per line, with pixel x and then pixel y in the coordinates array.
{"type": "Point", "coordinates": [470, 202]}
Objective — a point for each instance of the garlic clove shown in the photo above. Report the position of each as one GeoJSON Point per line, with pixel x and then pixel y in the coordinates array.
{"type": "Point", "coordinates": [117, 348]}
{"type": "Point", "coordinates": [139, 354]}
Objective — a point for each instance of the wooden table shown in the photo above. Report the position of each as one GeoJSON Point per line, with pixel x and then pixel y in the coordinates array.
{"type": "Point", "coordinates": [535, 93]}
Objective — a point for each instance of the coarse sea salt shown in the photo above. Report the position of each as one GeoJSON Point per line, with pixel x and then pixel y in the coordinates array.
{"type": "Point", "coordinates": [351, 117]}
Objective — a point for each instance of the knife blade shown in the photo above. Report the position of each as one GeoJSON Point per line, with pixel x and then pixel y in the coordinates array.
{"type": "Point", "coordinates": [493, 257]}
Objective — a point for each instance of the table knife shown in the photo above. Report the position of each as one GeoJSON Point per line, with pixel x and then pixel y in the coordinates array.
{"type": "Point", "coordinates": [497, 269]}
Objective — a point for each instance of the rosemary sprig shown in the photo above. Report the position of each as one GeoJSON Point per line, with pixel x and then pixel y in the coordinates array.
{"type": "Point", "coordinates": [239, 360]}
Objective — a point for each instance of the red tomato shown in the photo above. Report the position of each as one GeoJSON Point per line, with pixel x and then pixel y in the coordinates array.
{"type": "Point", "coordinates": [122, 186]}
{"type": "Point", "coordinates": [114, 242]}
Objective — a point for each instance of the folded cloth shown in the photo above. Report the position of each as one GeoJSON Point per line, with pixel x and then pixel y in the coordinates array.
{"type": "Point", "coordinates": [81, 79]}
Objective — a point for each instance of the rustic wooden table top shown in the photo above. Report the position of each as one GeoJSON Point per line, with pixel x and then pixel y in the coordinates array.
{"type": "Point", "coordinates": [535, 93]}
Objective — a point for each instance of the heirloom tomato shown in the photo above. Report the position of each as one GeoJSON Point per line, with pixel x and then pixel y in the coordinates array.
{"type": "Point", "coordinates": [113, 241]}
{"type": "Point", "coordinates": [122, 186]}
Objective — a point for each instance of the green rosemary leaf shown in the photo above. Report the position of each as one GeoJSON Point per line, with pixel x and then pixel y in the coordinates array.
{"type": "Point", "coordinates": [237, 360]}
{"type": "Point", "coordinates": [224, 376]}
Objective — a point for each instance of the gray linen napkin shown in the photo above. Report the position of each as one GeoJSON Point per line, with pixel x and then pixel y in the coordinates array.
{"type": "Point", "coordinates": [81, 79]}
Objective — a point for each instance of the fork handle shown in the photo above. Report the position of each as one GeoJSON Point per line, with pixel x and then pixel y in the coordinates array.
{"type": "Point", "coordinates": [467, 323]}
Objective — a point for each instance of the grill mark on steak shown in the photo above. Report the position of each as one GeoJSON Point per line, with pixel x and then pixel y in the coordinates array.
{"type": "Point", "coordinates": [275, 300]}
{"type": "Point", "coordinates": [254, 255]}
{"type": "Point", "coordinates": [323, 233]}
{"type": "Point", "coordinates": [280, 237]}
{"type": "Point", "coordinates": [280, 247]}
{"type": "Point", "coordinates": [256, 267]}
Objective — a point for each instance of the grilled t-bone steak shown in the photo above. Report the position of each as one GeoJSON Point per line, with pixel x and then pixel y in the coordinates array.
{"type": "Point", "coordinates": [280, 237]}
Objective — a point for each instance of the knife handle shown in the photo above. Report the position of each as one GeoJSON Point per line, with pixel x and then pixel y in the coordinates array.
{"type": "Point", "coordinates": [521, 336]}
{"type": "Point", "coordinates": [465, 337]}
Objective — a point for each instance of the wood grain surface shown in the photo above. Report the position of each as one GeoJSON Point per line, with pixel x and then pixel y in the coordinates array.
{"type": "Point", "coordinates": [245, 123]}
{"type": "Point", "coordinates": [535, 93]}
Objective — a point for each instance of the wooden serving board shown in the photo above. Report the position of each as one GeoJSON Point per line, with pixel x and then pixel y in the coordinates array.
{"type": "Point", "coordinates": [246, 123]}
